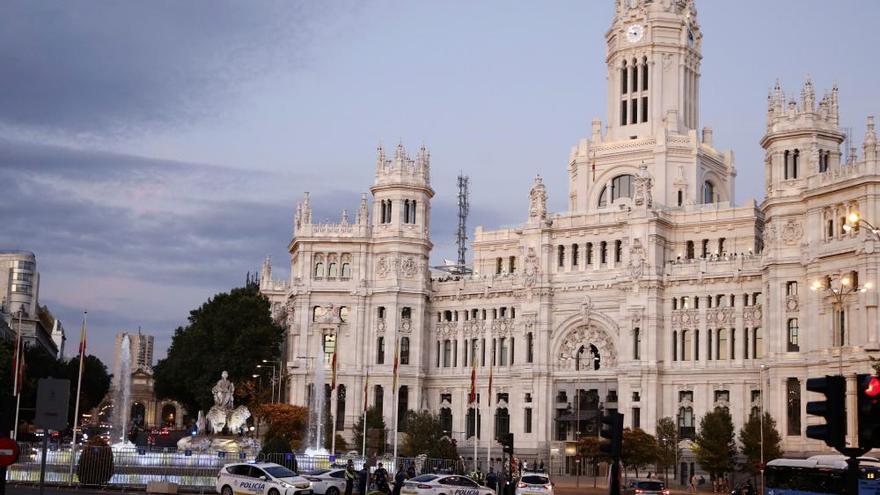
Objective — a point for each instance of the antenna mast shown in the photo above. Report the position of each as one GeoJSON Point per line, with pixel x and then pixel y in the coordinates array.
{"type": "Point", "coordinates": [463, 209]}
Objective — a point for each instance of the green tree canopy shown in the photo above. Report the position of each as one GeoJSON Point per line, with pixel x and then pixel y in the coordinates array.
{"type": "Point", "coordinates": [639, 449]}
{"type": "Point", "coordinates": [375, 422]}
{"type": "Point", "coordinates": [232, 331]}
{"type": "Point", "coordinates": [667, 445]}
{"type": "Point", "coordinates": [750, 438]}
{"type": "Point", "coordinates": [714, 445]}
{"type": "Point", "coordinates": [425, 435]}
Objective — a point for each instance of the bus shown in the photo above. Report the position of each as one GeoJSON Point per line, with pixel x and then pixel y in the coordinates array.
{"type": "Point", "coordinates": [819, 475]}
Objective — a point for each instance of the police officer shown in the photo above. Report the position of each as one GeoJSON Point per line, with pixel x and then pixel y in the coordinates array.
{"type": "Point", "coordinates": [399, 478]}
{"type": "Point", "coordinates": [380, 477]}
{"type": "Point", "coordinates": [492, 480]}
{"type": "Point", "coordinates": [349, 477]}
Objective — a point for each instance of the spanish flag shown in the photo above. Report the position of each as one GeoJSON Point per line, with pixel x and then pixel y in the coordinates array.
{"type": "Point", "coordinates": [472, 397]}
{"type": "Point", "coordinates": [396, 362]}
{"type": "Point", "coordinates": [333, 366]}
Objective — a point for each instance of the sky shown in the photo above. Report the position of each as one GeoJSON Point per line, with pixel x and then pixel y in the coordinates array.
{"type": "Point", "coordinates": [152, 153]}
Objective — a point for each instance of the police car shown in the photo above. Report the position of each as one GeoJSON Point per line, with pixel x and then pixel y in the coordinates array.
{"type": "Point", "coordinates": [263, 478]}
{"type": "Point", "coordinates": [534, 484]}
{"type": "Point", "coordinates": [443, 484]}
{"type": "Point", "coordinates": [327, 481]}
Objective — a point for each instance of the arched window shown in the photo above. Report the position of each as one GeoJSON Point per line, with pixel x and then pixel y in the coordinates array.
{"type": "Point", "coordinates": [319, 269]}
{"type": "Point", "coordinates": [594, 355]}
{"type": "Point", "coordinates": [689, 254]}
{"type": "Point", "coordinates": [343, 314]}
{"type": "Point", "coordinates": [603, 196]}
{"type": "Point", "coordinates": [618, 251]}
{"type": "Point", "coordinates": [757, 343]}
{"type": "Point", "coordinates": [380, 312]}
{"type": "Point", "coordinates": [795, 160]}
{"type": "Point", "coordinates": [589, 253]}
{"type": "Point", "coordinates": [404, 350]}
{"type": "Point", "coordinates": [378, 397]}
{"type": "Point", "coordinates": [624, 82]}
{"type": "Point", "coordinates": [402, 407]}
{"type": "Point", "coordinates": [793, 342]}
{"type": "Point", "coordinates": [405, 211]}
{"type": "Point", "coordinates": [721, 346]}
{"type": "Point", "coordinates": [686, 428]}
{"type": "Point", "coordinates": [332, 270]}
{"type": "Point", "coordinates": [637, 343]}
{"type": "Point", "coordinates": [644, 73]}
{"type": "Point", "coordinates": [708, 192]}
{"type": "Point", "coordinates": [340, 407]}
{"type": "Point", "coordinates": [317, 312]}
{"type": "Point", "coordinates": [530, 347]}
{"type": "Point", "coordinates": [680, 197]}
{"type": "Point", "coordinates": [621, 187]}
{"type": "Point", "coordinates": [346, 270]}
{"type": "Point", "coordinates": [380, 350]}
{"type": "Point", "coordinates": [603, 252]}
{"type": "Point", "coordinates": [687, 345]}
{"type": "Point", "coordinates": [674, 345]}
{"type": "Point", "coordinates": [634, 75]}
{"type": "Point", "coordinates": [575, 254]}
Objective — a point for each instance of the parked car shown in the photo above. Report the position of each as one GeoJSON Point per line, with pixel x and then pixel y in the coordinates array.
{"type": "Point", "coordinates": [531, 483]}
{"type": "Point", "coordinates": [444, 484]}
{"type": "Point", "coordinates": [327, 481]}
{"type": "Point", "coordinates": [266, 477]}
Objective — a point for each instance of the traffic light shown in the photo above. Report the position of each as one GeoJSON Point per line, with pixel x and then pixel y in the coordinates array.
{"type": "Point", "coordinates": [869, 411]}
{"type": "Point", "coordinates": [833, 409]}
{"type": "Point", "coordinates": [613, 433]}
{"type": "Point", "coordinates": [507, 443]}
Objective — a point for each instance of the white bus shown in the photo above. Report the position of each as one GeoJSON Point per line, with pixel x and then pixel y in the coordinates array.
{"type": "Point", "coordinates": [819, 475]}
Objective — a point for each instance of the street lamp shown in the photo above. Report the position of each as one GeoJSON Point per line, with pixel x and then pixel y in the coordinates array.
{"type": "Point", "coordinates": [854, 220]}
{"type": "Point", "coordinates": [273, 378]}
{"type": "Point", "coordinates": [840, 288]}
{"type": "Point", "coordinates": [275, 362]}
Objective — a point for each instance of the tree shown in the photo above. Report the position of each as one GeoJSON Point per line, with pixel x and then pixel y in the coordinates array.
{"type": "Point", "coordinates": [231, 331]}
{"type": "Point", "coordinates": [750, 438]}
{"type": "Point", "coordinates": [425, 435]}
{"type": "Point", "coordinates": [639, 449]}
{"type": "Point", "coordinates": [285, 422]}
{"type": "Point", "coordinates": [714, 445]}
{"type": "Point", "coordinates": [95, 383]}
{"type": "Point", "coordinates": [588, 448]}
{"type": "Point", "coordinates": [375, 423]}
{"type": "Point", "coordinates": [667, 446]}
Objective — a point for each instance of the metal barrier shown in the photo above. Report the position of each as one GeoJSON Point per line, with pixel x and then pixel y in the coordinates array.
{"type": "Point", "coordinates": [132, 468]}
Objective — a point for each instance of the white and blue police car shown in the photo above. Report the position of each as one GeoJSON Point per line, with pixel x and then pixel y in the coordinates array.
{"type": "Point", "coordinates": [444, 484]}
{"type": "Point", "coordinates": [262, 478]}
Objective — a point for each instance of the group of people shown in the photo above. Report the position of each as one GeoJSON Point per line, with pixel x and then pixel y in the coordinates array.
{"type": "Point", "coordinates": [379, 478]}
{"type": "Point", "coordinates": [721, 484]}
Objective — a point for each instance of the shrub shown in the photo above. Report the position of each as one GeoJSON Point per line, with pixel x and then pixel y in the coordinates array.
{"type": "Point", "coordinates": [95, 463]}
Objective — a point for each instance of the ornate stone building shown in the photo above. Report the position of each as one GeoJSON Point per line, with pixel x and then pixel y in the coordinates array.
{"type": "Point", "coordinates": [653, 295]}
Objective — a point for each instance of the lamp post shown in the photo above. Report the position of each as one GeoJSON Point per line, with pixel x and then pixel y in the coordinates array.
{"type": "Point", "coordinates": [839, 288]}
{"type": "Point", "coordinates": [280, 372]}
{"type": "Point", "coordinates": [854, 220]}
{"type": "Point", "coordinates": [273, 378]}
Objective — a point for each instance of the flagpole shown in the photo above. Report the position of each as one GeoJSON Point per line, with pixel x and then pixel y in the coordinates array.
{"type": "Point", "coordinates": [335, 395]}
{"type": "Point", "coordinates": [396, 418]}
{"type": "Point", "coordinates": [18, 386]}
{"type": "Point", "coordinates": [366, 395]}
{"type": "Point", "coordinates": [82, 358]}
{"type": "Point", "coordinates": [489, 440]}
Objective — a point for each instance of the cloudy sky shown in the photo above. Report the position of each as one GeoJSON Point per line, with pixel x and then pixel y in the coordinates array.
{"type": "Point", "coordinates": [151, 153]}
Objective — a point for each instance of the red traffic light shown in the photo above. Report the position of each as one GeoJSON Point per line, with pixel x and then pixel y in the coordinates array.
{"type": "Point", "coordinates": [873, 388]}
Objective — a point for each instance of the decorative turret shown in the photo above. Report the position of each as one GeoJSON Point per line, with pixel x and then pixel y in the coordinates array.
{"type": "Point", "coordinates": [403, 169]}
{"type": "Point", "coordinates": [401, 193]}
{"type": "Point", "coordinates": [363, 214]}
{"type": "Point", "coordinates": [869, 147]}
{"type": "Point", "coordinates": [266, 270]}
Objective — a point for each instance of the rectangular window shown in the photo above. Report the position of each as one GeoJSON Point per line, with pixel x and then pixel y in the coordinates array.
{"type": "Point", "coordinates": [380, 350]}
{"type": "Point", "coordinates": [483, 353]}
{"type": "Point", "coordinates": [527, 426]}
{"type": "Point", "coordinates": [504, 351]}
{"type": "Point", "coordinates": [530, 347]}
{"type": "Point", "coordinates": [589, 253]}
{"type": "Point", "coordinates": [618, 251]}
{"type": "Point", "coordinates": [634, 109]}
{"type": "Point", "coordinates": [511, 268]}
{"type": "Point", "coordinates": [637, 417]}
{"type": "Point", "coordinates": [793, 406]}
{"type": "Point", "coordinates": [575, 254]}
{"type": "Point", "coordinates": [645, 76]}
{"type": "Point", "coordinates": [498, 263]}
{"type": "Point", "coordinates": [644, 114]}
{"type": "Point", "coordinates": [623, 112]}
{"type": "Point", "coordinates": [791, 288]}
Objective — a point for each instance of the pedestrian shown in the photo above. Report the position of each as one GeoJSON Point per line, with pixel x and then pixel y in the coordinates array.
{"type": "Point", "coordinates": [650, 474]}
{"type": "Point", "coordinates": [541, 465]}
{"type": "Point", "coordinates": [411, 471]}
{"type": "Point", "coordinates": [364, 479]}
{"type": "Point", "coordinates": [692, 487]}
{"type": "Point", "coordinates": [399, 478]}
{"type": "Point", "coordinates": [492, 480]}
{"type": "Point", "coordinates": [349, 477]}
{"type": "Point", "coordinates": [380, 477]}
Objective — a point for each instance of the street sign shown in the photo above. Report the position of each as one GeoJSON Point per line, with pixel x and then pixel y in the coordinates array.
{"type": "Point", "coordinates": [8, 451]}
{"type": "Point", "coordinates": [53, 399]}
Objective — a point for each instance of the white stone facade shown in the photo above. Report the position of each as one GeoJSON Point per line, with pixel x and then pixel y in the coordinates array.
{"type": "Point", "coordinates": [653, 276]}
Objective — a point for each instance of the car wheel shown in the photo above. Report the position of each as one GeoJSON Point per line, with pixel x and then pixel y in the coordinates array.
{"type": "Point", "coordinates": [332, 491]}
{"type": "Point", "coordinates": [273, 492]}
{"type": "Point", "coordinates": [226, 490]}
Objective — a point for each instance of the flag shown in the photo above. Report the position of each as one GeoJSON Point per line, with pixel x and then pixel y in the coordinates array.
{"type": "Point", "coordinates": [82, 340]}
{"type": "Point", "coordinates": [18, 361]}
{"type": "Point", "coordinates": [333, 365]}
{"type": "Point", "coordinates": [491, 368]}
{"type": "Point", "coordinates": [396, 362]}
{"type": "Point", "coordinates": [366, 390]}
{"type": "Point", "coordinates": [472, 397]}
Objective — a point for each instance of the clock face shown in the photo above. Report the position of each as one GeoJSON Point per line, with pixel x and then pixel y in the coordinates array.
{"type": "Point", "coordinates": [634, 33]}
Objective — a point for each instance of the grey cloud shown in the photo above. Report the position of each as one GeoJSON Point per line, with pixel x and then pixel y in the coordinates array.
{"type": "Point", "coordinates": [108, 67]}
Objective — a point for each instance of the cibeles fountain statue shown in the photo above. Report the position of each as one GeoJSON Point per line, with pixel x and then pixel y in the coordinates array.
{"type": "Point", "coordinates": [221, 428]}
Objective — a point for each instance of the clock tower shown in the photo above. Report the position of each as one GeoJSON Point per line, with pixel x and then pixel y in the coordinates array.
{"type": "Point", "coordinates": [653, 57]}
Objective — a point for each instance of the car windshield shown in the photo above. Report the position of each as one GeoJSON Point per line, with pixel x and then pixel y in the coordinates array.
{"type": "Point", "coordinates": [535, 480]}
{"type": "Point", "coordinates": [279, 472]}
{"type": "Point", "coordinates": [649, 485]}
{"type": "Point", "coordinates": [424, 478]}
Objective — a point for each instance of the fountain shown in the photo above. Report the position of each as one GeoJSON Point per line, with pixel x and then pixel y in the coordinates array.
{"type": "Point", "coordinates": [122, 396]}
{"type": "Point", "coordinates": [221, 419]}
{"type": "Point", "coordinates": [315, 441]}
